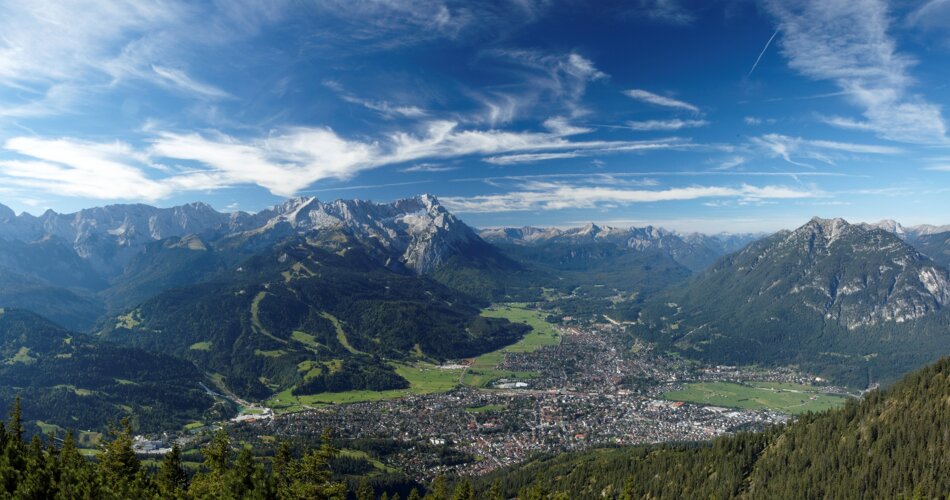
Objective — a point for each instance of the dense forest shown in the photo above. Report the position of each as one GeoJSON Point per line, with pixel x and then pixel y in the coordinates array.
{"type": "Point", "coordinates": [72, 381]}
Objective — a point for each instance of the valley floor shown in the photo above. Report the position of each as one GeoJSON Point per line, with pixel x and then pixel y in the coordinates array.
{"type": "Point", "coordinates": [563, 387]}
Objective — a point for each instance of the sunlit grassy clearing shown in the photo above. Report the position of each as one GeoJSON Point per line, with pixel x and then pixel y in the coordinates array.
{"type": "Point", "coordinates": [787, 398]}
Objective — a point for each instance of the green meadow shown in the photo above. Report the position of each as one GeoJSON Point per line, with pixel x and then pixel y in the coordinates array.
{"type": "Point", "coordinates": [786, 398]}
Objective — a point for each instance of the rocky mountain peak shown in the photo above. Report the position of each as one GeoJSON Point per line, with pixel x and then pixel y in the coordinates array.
{"type": "Point", "coordinates": [418, 232]}
{"type": "Point", "coordinates": [6, 213]}
{"type": "Point", "coordinates": [850, 274]}
{"type": "Point", "coordinates": [823, 232]}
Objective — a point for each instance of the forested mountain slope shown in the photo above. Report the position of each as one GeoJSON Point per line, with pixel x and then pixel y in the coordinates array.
{"type": "Point", "coordinates": [73, 382]}
{"type": "Point", "coordinates": [301, 313]}
{"type": "Point", "coordinates": [854, 304]}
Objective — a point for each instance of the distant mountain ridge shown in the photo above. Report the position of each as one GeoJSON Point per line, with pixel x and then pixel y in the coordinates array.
{"type": "Point", "coordinates": [417, 229]}
{"type": "Point", "coordinates": [693, 250]}
{"type": "Point", "coordinates": [907, 233]}
{"type": "Point", "coordinates": [124, 253]}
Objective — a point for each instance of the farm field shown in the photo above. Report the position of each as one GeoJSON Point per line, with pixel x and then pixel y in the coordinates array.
{"type": "Point", "coordinates": [787, 398]}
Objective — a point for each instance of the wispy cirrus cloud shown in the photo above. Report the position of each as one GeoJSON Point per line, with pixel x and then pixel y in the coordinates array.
{"type": "Point", "coordinates": [593, 148]}
{"type": "Point", "coordinates": [848, 42]}
{"type": "Point", "coordinates": [932, 16]}
{"type": "Point", "coordinates": [555, 82]}
{"type": "Point", "coordinates": [384, 108]}
{"type": "Point", "coordinates": [57, 54]}
{"type": "Point", "coordinates": [559, 196]}
{"type": "Point", "coordinates": [665, 125]}
{"type": "Point", "coordinates": [795, 149]}
{"type": "Point", "coordinates": [665, 11]}
{"type": "Point", "coordinates": [180, 80]}
{"type": "Point", "coordinates": [659, 100]}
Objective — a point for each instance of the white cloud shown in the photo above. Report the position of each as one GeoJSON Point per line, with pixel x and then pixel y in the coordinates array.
{"type": "Point", "coordinates": [659, 100]}
{"type": "Point", "coordinates": [847, 42]}
{"type": "Point", "coordinates": [731, 163]}
{"type": "Point", "coordinates": [284, 162]}
{"type": "Point", "coordinates": [384, 108]}
{"type": "Point", "coordinates": [443, 139]}
{"type": "Point", "coordinates": [430, 167]}
{"type": "Point", "coordinates": [558, 196]}
{"type": "Point", "coordinates": [556, 82]}
{"type": "Point", "coordinates": [667, 11]}
{"type": "Point", "coordinates": [674, 124]}
{"type": "Point", "coordinates": [560, 126]}
{"type": "Point", "coordinates": [755, 121]}
{"type": "Point", "coordinates": [593, 148]}
{"type": "Point", "coordinates": [531, 157]}
{"type": "Point", "coordinates": [179, 79]}
{"type": "Point", "coordinates": [789, 148]}
{"type": "Point", "coordinates": [57, 54]}
{"type": "Point", "coordinates": [83, 169]}
{"type": "Point", "coordinates": [932, 15]}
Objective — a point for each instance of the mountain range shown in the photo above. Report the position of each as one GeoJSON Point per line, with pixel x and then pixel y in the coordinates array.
{"type": "Point", "coordinates": [695, 251]}
{"type": "Point", "coordinates": [312, 296]}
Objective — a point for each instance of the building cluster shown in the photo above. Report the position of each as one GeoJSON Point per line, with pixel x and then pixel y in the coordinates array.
{"type": "Point", "coordinates": [591, 390]}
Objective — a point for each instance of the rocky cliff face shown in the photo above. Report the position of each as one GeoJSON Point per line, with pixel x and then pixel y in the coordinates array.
{"type": "Point", "coordinates": [848, 273]}
{"type": "Point", "coordinates": [107, 237]}
{"type": "Point", "coordinates": [418, 232]}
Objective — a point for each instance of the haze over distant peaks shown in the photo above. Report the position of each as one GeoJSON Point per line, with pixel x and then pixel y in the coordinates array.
{"type": "Point", "coordinates": [694, 250]}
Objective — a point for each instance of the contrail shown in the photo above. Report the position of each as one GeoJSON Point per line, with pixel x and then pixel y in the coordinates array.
{"type": "Point", "coordinates": [763, 52]}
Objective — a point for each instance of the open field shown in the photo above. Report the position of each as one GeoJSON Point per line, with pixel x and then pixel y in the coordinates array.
{"type": "Point", "coordinates": [426, 378]}
{"type": "Point", "coordinates": [787, 398]}
{"type": "Point", "coordinates": [379, 466]}
{"type": "Point", "coordinates": [201, 346]}
{"type": "Point", "coordinates": [483, 409]}
{"type": "Point", "coordinates": [483, 368]}
{"type": "Point", "coordinates": [340, 333]}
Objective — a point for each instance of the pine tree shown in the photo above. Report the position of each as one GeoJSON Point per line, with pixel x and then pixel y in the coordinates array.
{"type": "Point", "coordinates": [212, 482]}
{"type": "Point", "coordinates": [495, 492]}
{"type": "Point", "coordinates": [243, 475]}
{"type": "Point", "coordinates": [312, 475]}
{"type": "Point", "coordinates": [36, 481]}
{"type": "Point", "coordinates": [118, 466]}
{"type": "Point", "coordinates": [438, 490]}
{"type": "Point", "coordinates": [364, 491]}
{"type": "Point", "coordinates": [172, 478]}
{"type": "Point", "coordinates": [282, 470]}
{"type": "Point", "coordinates": [75, 477]}
{"type": "Point", "coordinates": [414, 495]}
{"type": "Point", "coordinates": [16, 423]}
{"type": "Point", "coordinates": [464, 491]}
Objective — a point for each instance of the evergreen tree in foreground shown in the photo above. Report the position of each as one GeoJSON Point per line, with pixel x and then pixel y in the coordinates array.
{"type": "Point", "coordinates": [47, 469]}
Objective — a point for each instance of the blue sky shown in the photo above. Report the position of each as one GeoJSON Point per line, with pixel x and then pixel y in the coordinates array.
{"type": "Point", "coordinates": [712, 115]}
